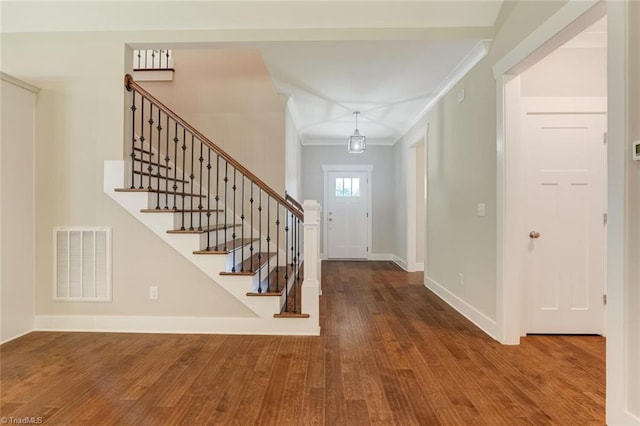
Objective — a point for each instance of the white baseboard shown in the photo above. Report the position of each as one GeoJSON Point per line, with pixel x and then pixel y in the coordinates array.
{"type": "Point", "coordinates": [178, 325]}
{"type": "Point", "coordinates": [419, 266]}
{"type": "Point", "coordinates": [400, 262]}
{"type": "Point", "coordinates": [485, 323]}
{"type": "Point", "coordinates": [15, 337]}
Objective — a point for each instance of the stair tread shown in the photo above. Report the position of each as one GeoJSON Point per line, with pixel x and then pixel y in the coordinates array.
{"type": "Point", "coordinates": [171, 210]}
{"type": "Point", "coordinates": [144, 151]}
{"type": "Point", "coordinates": [290, 315]}
{"type": "Point", "coordinates": [154, 164]}
{"type": "Point", "coordinates": [278, 274]}
{"type": "Point", "coordinates": [230, 245]}
{"type": "Point", "coordinates": [251, 265]}
{"type": "Point", "coordinates": [161, 191]}
{"type": "Point", "coordinates": [145, 173]}
{"type": "Point", "coordinates": [203, 230]}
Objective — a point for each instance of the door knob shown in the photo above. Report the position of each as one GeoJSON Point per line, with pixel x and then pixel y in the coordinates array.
{"type": "Point", "coordinates": [534, 234]}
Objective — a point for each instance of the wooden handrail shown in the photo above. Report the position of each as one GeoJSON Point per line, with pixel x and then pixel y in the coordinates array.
{"type": "Point", "coordinates": [293, 201]}
{"type": "Point", "coordinates": [130, 84]}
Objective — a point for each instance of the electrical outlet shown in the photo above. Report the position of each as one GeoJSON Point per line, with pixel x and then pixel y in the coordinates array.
{"type": "Point", "coordinates": [461, 278]}
{"type": "Point", "coordinates": [153, 292]}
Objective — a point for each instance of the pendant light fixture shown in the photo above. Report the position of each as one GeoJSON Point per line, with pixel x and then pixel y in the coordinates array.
{"type": "Point", "coordinates": [357, 142]}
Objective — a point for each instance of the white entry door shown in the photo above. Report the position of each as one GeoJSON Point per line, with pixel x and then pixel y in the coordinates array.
{"type": "Point", "coordinates": [347, 215]}
{"type": "Point", "coordinates": [565, 201]}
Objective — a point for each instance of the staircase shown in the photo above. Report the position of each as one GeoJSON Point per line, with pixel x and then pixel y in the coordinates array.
{"type": "Point", "coordinates": [223, 219]}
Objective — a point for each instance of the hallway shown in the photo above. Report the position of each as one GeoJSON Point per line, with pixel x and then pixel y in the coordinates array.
{"type": "Point", "coordinates": [390, 353]}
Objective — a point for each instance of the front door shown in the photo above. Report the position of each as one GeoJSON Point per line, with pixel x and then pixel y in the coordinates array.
{"type": "Point", "coordinates": [565, 161]}
{"type": "Point", "coordinates": [347, 215]}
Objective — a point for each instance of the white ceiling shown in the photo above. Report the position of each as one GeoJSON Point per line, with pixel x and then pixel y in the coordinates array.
{"type": "Point", "coordinates": [389, 82]}
{"type": "Point", "coordinates": [388, 59]}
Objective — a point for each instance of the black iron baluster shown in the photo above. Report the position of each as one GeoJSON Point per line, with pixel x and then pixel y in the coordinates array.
{"type": "Point", "coordinates": [251, 228]}
{"type": "Point", "coordinates": [175, 163]}
{"type": "Point", "coordinates": [208, 198]}
{"type": "Point", "coordinates": [139, 58]}
{"type": "Point", "coordinates": [133, 140]}
{"type": "Point", "coordinates": [226, 205]}
{"type": "Point", "coordinates": [158, 174]}
{"type": "Point", "coordinates": [166, 172]}
{"type": "Point", "coordinates": [141, 142]}
{"type": "Point", "coordinates": [153, 58]}
{"type": "Point", "coordinates": [259, 266]}
{"type": "Point", "coordinates": [150, 162]}
{"type": "Point", "coordinates": [278, 247]}
{"type": "Point", "coordinates": [168, 56]}
{"type": "Point", "coordinates": [184, 180]}
{"type": "Point", "coordinates": [201, 160]}
{"type": "Point", "coordinates": [286, 260]}
{"type": "Point", "coordinates": [297, 282]}
{"type": "Point", "coordinates": [268, 243]}
{"type": "Point", "coordinates": [217, 201]}
{"type": "Point", "coordinates": [242, 217]}
{"type": "Point", "coordinates": [233, 232]}
{"type": "Point", "coordinates": [192, 191]}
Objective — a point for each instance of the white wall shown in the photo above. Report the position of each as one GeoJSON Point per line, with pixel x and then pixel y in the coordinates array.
{"type": "Point", "coordinates": [567, 72]}
{"type": "Point", "coordinates": [382, 186]}
{"type": "Point", "coordinates": [461, 172]}
{"type": "Point", "coordinates": [80, 114]}
{"type": "Point", "coordinates": [293, 156]}
{"type": "Point", "coordinates": [421, 214]}
{"type": "Point", "coordinates": [227, 94]}
{"type": "Point", "coordinates": [17, 211]}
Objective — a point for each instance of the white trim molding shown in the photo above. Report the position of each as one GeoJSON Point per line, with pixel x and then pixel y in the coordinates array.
{"type": "Point", "coordinates": [485, 323]}
{"type": "Point", "coordinates": [162, 324]}
{"type": "Point", "coordinates": [17, 82]}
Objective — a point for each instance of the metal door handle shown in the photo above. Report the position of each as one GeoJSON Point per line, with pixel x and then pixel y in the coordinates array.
{"type": "Point", "coordinates": [534, 234]}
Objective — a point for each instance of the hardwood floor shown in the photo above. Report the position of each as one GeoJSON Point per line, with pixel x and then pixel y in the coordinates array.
{"type": "Point", "coordinates": [390, 353]}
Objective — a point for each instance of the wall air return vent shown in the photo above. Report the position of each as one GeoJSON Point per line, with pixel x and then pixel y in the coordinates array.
{"type": "Point", "coordinates": [82, 263]}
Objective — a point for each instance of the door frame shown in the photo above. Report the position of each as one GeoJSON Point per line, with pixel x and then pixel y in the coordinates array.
{"type": "Point", "coordinates": [366, 168]}
{"type": "Point", "coordinates": [412, 217]}
{"type": "Point", "coordinates": [569, 21]}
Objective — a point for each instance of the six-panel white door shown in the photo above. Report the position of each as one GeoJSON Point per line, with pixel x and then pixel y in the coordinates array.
{"type": "Point", "coordinates": [347, 216]}
{"type": "Point", "coordinates": [565, 200]}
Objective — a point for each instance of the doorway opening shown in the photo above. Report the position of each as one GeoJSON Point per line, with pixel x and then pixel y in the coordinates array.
{"type": "Point", "coordinates": [531, 75]}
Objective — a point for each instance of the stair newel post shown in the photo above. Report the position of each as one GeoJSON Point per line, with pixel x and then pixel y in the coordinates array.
{"type": "Point", "coordinates": [233, 232]}
{"type": "Point", "coordinates": [277, 246]}
{"type": "Point", "coordinates": [201, 160]}
{"type": "Point", "coordinates": [268, 243]}
{"type": "Point", "coordinates": [133, 138]}
{"type": "Point", "coordinates": [217, 200]}
{"type": "Point", "coordinates": [141, 142]}
{"type": "Point", "coordinates": [184, 180]}
{"type": "Point", "coordinates": [208, 198]}
{"type": "Point", "coordinates": [166, 163]}
{"type": "Point", "coordinates": [175, 169]}
{"type": "Point", "coordinates": [226, 203]}
{"type": "Point", "coordinates": [150, 162]}
{"type": "Point", "coordinates": [259, 240]}
{"type": "Point", "coordinates": [192, 178]}
{"type": "Point", "coordinates": [158, 173]}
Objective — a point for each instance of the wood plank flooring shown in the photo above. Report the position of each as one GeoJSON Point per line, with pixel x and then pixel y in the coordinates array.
{"type": "Point", "coordinates": [391, 353]}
